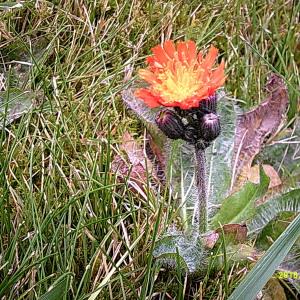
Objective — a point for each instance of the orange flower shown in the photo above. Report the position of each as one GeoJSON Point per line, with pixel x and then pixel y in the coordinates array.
{"type": "Point", "coordinates": [180, 77]}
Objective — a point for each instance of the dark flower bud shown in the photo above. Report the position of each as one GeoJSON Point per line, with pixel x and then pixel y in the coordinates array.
{"type": "Point", "coordinates": [210, 127]}
{"type": "Point", "coordinates": [170, 124]}
{"type": "Point", "coordinates": [209, 104]}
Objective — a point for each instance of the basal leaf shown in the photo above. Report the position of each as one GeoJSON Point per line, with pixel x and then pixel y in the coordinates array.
{"type": "Point", "coordinates": [139, 107]}
{"type": "Point", "coordinates": [186, 246]}
{"type": "Point", "coordinates": [13, 104]}
{"type": "Point", "coordinates": [59, 288]}
{"type": "Point", "coordinates": [288, 202]}
{"type": "Point", "coordinates": [219, 154]}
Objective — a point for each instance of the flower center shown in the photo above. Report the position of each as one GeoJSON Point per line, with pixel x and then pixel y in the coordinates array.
{"type": "Point", "coordinates": [178, 85]}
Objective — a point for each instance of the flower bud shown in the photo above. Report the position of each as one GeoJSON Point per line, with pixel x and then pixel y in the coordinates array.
{"type": "Point", "coordinates": [209, 104]}
{"type": "Point", "coordinates": [210, 127]}
{"type": "Point", "coordinates": [170, 124]}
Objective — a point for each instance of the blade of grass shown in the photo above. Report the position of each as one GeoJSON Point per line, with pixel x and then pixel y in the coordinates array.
{"type": "Point", "coordinates": [267, 265]}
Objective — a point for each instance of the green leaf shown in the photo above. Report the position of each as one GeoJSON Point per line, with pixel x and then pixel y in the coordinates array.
{"type": "Point", "coordinates": [219, 155]}
{"type": "Point", "coordinates": [289, 202]}
{"type": "Point", "coordinates": [240, 206]}
{"type": "Point", "coordinates": [10, 5]}
{"type": "Point", "coordinates": [185, 248]}
{"type": "Point", "coordinates": [218, 165]}
{"type": "Point", "coordinates": [13, 104]}
{"type": "Point", "coordinates": [267, 265]}
{"type": "Point", "coordinates": [144, 112]}
{"type": "Point", "coordinates": [182, 176]}
{"type": "Point", "coordinates": [59, 288]}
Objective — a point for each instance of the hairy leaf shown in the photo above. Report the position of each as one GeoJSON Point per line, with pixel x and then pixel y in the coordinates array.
{"type": "Point", "coordinates": [187, 246]}
{"type": "Point", "coordinates": [268, 211]}
{"type": "Point", "coordinates": [13, 104]}
{"type": "Point", "coordinates": [218, 164]}
{"type": "Point", "coordinates": [157, 142]}
{"type": "Point", "coordinates": [219, 155]}
{"type": "Point", "coordinates": [145, 113]}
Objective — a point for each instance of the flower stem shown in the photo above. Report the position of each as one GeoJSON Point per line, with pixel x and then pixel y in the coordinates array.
{"type": "Point", "coordinates": [201, 218]}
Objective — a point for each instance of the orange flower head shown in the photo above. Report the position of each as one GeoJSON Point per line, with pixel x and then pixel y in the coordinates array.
{"type": "Point", "coordinates": [178, 76]}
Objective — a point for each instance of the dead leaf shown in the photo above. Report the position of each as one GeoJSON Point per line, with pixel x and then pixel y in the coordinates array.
{"type": "Point", "coordinates": [238, 232]}
{"type": "Point", "coordinates": [256, 126]}
{"type": "Point", "coordinates": [273, 290]}
{"type": "Point", "coordinates": [157, 157]}
{"type": "Point", "coordinates": [253, 175]}
{"type": "Point", "coordinates": [135, 166]}
{"type": "Point", "coordinates": [209, 240]}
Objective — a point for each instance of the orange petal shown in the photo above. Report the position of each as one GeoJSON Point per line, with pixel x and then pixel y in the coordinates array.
{"type": "Point", "coordinates": [203, 92]}
{"type": "Point", "coordinates": [189, 103]}
{"type": "Point", "coordinates": [191, 52]}
{"type": "Point", "coordinates": [160, 55]}
{"type": "Point", "coordinates": [195, 101]}
{"type": "Point", "coordinates": [218, 74]}
{"type": "Point", "coordinates": [218, 84]}
{"type": "Point", "coordinates": [148, 76]}
{"type": "Point", "coordinates": [200, 57]}
{"type": "Point", "coordinates": [170, 49]}
{"type": "Point", "coordinates": [182, 51]}
{"type": "Point", "coordinates": [147, 97]}
{"type": "Point", "coordinates": [210, 58]}
{"type": "Point", "coordinates": [185, 105]}
{"type": "Point", "coordinates": [154, 66]}
{"type": "Point", "coordinates": [150, 60]}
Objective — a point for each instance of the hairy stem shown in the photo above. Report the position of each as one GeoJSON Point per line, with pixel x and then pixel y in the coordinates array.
{"type": "Point", "coordinates": [201, 217]}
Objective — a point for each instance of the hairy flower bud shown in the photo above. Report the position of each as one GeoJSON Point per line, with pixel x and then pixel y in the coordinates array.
{"type": "Point", "coordinates": [170, 124]}
{"type": "Point", "coordinates": [210, 127]}
{"type": "Point", "coordinates": [209, 104]}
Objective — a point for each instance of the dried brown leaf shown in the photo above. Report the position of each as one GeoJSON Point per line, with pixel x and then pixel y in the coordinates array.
{"type": "Point", "coordinates": [253, 175]}
{"type": "Point", "coordinates": [209, 240]}
{"type": "Point", "coordinates": [134, 166]}
{"type": "Point", "coordinates": [238, 232]}
{"type": "Point", "coordinates": [256, 126]}
{"type": "Point", "coordinates": [157, 157]}
{"type": "Point", "coordinates": [273, 290]}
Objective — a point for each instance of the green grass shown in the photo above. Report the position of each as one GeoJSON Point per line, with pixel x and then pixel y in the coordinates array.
{"type": "Point", "coordinates": [65, 219]}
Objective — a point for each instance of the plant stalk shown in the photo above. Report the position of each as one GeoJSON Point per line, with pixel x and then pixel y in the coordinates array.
{"type": "Point", "coordinates": [201, 217]}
